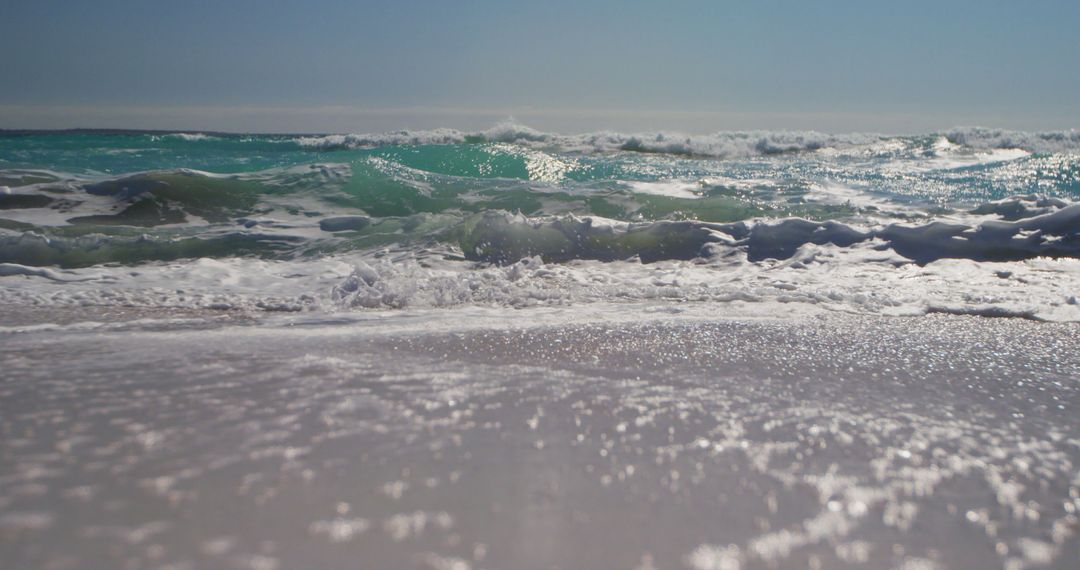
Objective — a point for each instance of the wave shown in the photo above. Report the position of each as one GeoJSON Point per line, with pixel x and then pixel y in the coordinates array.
{"type": "Point", "coordinates": [1040, 142]}
{"type": "Point", "coordinates": [892, 225]}
{"type": "Point", "coordinates": [500, 237]}
{"type": "Point", "coordinates": [846, 280]}
{"type": "Point", "coordinates": [35, 249]}
{"type": "Point", "coordinates": [775, 265]}
{"type": "Point", "coordinates": [1018, 228]}
{"type": "Point", "coordinates": [725, 144]}
{"type": "Point", "coordinates": [1014, 258]}
{"type": "Point", "coordinates": [459, 181]}
{"type": "Point", "coordinates": [190, 137]}
{"type": "Point", "coordinates": [758, 268]}
{"type": "Point", "coordinates": [717, 145]}
{"type": "Point", "coordinates": [722, 144]}
{"type": "Point", "coordinates": [163, 197]}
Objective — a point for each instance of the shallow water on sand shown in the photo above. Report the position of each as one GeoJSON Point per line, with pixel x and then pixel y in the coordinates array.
{"type": "Point", "coordinates": [645, 440]}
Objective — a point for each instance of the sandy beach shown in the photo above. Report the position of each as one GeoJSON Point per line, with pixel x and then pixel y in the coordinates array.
{"type": "Point", "coordinates": [211, 441]}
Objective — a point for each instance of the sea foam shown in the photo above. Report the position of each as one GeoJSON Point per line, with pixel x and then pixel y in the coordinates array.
{"type": "Point", "coordinates": [716, 145]}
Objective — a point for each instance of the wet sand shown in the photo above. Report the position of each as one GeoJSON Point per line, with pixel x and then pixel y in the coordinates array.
{"type": "Point", "coordinates": [937, 441]}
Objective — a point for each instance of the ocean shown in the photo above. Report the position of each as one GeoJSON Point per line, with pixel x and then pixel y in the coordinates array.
{"type": "Point", "coordinates": [518, 349]}
{"type": "Point", "coordinates": [514, 217]}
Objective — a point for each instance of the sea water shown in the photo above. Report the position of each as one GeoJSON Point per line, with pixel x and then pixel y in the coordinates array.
{"type": "Point", "coordinates": [969, 220]}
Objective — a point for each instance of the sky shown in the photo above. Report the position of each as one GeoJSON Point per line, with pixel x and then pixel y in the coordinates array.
{"type": "Point", "coordinates": [694, 66]}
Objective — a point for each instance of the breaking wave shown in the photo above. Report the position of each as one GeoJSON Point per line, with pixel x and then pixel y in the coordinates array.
{"type": "Point", "coordinates": [717, 145]}
{"type": "Point", "coordinates": [969, 221]}
{"type": "Point", "coordinates": [1051, 229]}
{"type": "Point", "coordinates": [1042, 142]}
{"type": "Point", "coordinates": [504, 238]}
{"type": "Point", "coordinates": [731, 144]}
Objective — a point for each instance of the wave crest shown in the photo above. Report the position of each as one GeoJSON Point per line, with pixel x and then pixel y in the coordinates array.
{"type": "Point", "coordinates": [724, 144]}
{"type": "Point", "coordinates": [499, 237]}
{"type": "Point", "coordinates": [1042, 142]}
{"type": "Point", "coordinates": [735, 144]}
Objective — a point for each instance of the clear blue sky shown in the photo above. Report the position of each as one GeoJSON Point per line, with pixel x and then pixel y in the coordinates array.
{"type": "Point", "coordinates": [336, 65]}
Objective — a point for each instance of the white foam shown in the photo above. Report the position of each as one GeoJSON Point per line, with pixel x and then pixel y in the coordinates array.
{"type": "Point", "coordinates": [670, 188]}
{"type": "Point", "coordinates": [190, 137]}
{"type": "Point", "coordinates": [1041, 142]}
{"type": "Point", "coordinates": [988, 267]}
{"type": "Point", "coordinates": [729, 144]}
{"type": "Point", "coordinates": [10, 269]}
{"type": "Point", "coordinates": [720, 145]}
{"type": "Point", "coordinates": [825, 278]}
{"type": "Point", "coordinates": [949, 156]}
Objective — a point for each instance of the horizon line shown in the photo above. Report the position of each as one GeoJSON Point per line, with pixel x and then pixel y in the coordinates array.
{"type": "Point", "coordinates": [345, 119]}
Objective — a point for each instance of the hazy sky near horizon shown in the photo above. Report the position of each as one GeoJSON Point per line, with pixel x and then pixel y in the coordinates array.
{"type": "Point", "coordinates": [338, 65]}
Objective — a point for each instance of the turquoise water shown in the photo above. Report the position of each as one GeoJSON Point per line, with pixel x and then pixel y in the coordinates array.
{"type": "Point", "coordinates": [83, 198]}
